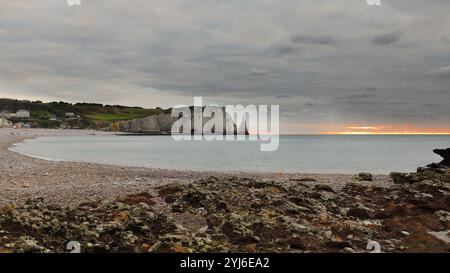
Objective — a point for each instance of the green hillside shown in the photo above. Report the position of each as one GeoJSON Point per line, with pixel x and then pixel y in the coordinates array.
{"type": "Point", "coordinates": [87, 115]}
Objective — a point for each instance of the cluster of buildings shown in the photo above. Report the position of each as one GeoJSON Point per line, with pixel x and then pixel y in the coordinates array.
{"type": "Point", "coordinates": [18, 114]}
{"type": "Point", "coordinates": [6, 117]}
{"type": "Point", "coordinates": [5, 123]}
{"type": "Point", "coordinates": [21, 114]}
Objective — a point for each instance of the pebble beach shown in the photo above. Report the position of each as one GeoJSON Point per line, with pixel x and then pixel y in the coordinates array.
{"type": "Point", "coordinates": [46, 204]}
{"type": "Point", "coordinates": [72, 183]}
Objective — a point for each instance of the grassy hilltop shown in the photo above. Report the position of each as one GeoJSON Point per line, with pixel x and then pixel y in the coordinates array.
{"type": "Point", "coordinates": [87, 115]}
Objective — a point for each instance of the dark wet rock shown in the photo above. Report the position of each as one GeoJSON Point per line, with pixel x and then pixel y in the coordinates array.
{"type": "Point", "coordinates": [394, 211]}
{"type": "Point", "coordinates": [338, 244]}
{"type": "Point", "coordinates": [135, 199]}
{"type": "Point", "coordinates": [195, 198]}
{"type": "Point", "coordinates": [445, 154]}
{"type": "Point", "coordinates": [324, 188]}
{"type": "Point", "coordinates": [359, 213]}
{"type": "Point", "coordinates": [422, 169]}
{"type": "Point", "coordinates": [365, 177]}
{"type": "Point", "coordinates": [424, 174]}
{"type": "Point", "coordinates": [435, 166]}
{"type": "Point", "coordinates": [296, 243]}
{"type": "Point", "coordinates": [400, 178]}
{"type": "Point", "coordinates": [170, 189]}
{"type": "Point", "coordinates": [303, 179]}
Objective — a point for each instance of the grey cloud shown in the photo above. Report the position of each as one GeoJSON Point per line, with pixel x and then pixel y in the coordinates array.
{"type": "Point", "coordinates": [258, 72]}
{"type": "Point", "coordinates": [311, 39]}
{"type": "Point", "coordinates": [292, 53]}
{"type": "Point", "coordinates": [371, 89]}
{"type": "Point", "coordinates": [285, 49]}
{"type": "Point", "coordinates": [282, 96]}
{"type": "Point", "coordinates": [357, 98]}
{"type": "Point", "coordinates": [387, 38]}
{"type": "Point", "coordinates": [431, 105]}
{"type": "Point", "coordinates": [443, 72]}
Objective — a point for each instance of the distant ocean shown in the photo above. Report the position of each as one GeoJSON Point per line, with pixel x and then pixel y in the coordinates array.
{"type": "Point", "coordinates": [300, 153]}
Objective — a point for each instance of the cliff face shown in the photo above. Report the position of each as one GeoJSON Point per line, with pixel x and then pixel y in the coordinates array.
{"type": "Point", "coordinates": [156, 124]}
{"type": "Point", "coordinates": [165, 122]}
{"type": "Point", "coordinates": [162, 124]}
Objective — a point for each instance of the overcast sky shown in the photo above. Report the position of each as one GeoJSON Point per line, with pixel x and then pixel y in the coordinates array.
{"type": "Point", "coordinates": [327, 63]}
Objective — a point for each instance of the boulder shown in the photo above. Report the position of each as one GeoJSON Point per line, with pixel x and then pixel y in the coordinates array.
{"type": "Point", "coordinates": [365, 177]}
{"type": "Point", "coordinates": [359, 213]}
{"type": "Point", "coordinates": [400, 178]}
{"type": "Point", "coordinates": [445, 154]}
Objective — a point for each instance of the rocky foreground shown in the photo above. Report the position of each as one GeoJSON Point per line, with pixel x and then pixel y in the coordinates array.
{"type": "Point", "coordinates": [246, 215]}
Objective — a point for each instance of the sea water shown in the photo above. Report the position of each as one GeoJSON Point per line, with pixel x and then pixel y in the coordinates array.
{"type": "Point", "coordinates": [297, 153]}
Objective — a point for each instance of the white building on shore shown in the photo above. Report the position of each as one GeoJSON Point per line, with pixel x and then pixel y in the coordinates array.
{"type": "Point", "coordinates": [6, 114]}
{"type": "Point", "coordinates": [19, 114]}
{"type": "Point", "coordinates": [23, 114]}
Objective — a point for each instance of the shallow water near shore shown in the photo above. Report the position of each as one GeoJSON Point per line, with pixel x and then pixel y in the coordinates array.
{"type": "Point", "coordinates": [299, 153]}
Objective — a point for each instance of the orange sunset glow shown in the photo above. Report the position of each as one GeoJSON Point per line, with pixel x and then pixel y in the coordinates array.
{"type": "Point", "coordinates": [388, 130]}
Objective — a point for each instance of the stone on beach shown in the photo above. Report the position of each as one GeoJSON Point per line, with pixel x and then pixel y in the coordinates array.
{"type": "Point", "coordinates": [365, 176]}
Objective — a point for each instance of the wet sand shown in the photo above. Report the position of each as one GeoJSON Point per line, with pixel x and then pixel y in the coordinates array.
{"type": "Point", "coordinates": [72, 183]}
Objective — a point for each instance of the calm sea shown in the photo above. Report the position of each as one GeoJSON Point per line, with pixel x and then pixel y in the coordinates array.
{"type": "Point", "coordinates": [303, 153]}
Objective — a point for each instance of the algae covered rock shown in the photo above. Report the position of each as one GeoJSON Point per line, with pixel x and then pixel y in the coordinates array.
{"type": "Point", "coordinates": [365, 177]}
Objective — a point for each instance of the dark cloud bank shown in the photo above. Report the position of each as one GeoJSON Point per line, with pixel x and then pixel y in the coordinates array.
{"type": "Point", "coordinates": [324, 62]}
